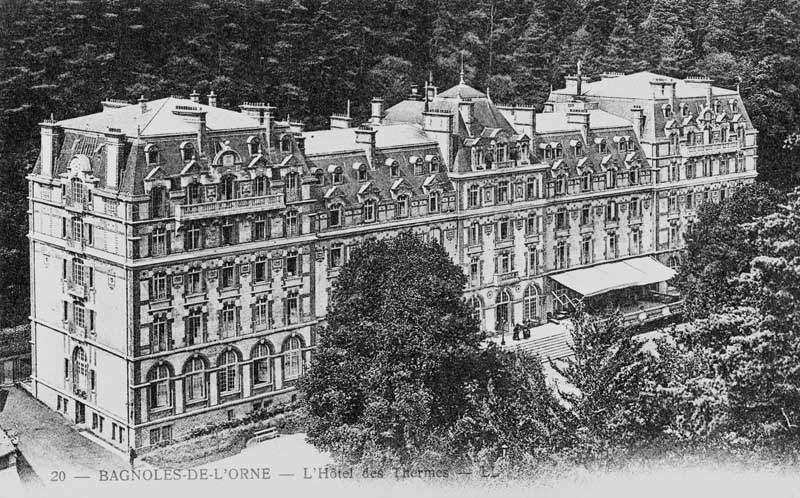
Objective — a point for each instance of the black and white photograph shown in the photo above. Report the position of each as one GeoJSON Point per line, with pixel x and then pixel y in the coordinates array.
{"type": "Point", "coordinates": [359, 248]}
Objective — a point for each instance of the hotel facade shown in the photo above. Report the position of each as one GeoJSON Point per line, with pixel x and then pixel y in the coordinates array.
{"type": "Point", "coordinates": [182, 254]}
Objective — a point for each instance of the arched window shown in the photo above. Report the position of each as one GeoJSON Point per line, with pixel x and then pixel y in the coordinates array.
{"type": "Point", "coordinates": [194, 193]}
{"type": "Point", "coordinates": [151, 154]}
{"type": "Point", "coordinates": [253, 145]}
{"type": "Point", "coordinates": [394, 169]}
{"type": "Point", "coordinates": [159, 387]}
{"type": "Point", "coordinates": [187, 151]}
{"type": "Point", "coordinates": [434, 164]}
{"type": "Point", "coordinates": [262, 364]}
{"type": "Point", "coordinates": [80, 372]}
{"type": "Point", "coordinates": [579, 149]}
{"type": "Point", "coordinates": [602, 146]}
{"type": "Point", "coordinates": [559, 151]}
{"type": "Point", "coordinates": [473, 196]}
{"type": "Point", "coordinates": [260, 186]}
{"type": "Point", "coordinates": [369, 210]}
{"type": "Point", "coordinates": [623, 145]}
{"type": "Point", "coordinates": [362, 173]}
{"type": "Point", "coordinates": [159, 203]}
{"type": "Point", "coordinates": [195, 380]}
{"type": "Point", "coordinates": [286, 143]}
{"type": "Point", "coordinates": [419, 166]}
{"type": "Point", "coordinates": [530, 304]}
{"type": "Point", "coordinates": [337, 175]}
{"type": "Point", "coordinates": [228, 373]}
{"type": "Point", "coordinates": [401, 208]}
{"type": "Point", "coordinates": [320, 176]}
{"type": "Point", "coordinates": [503, 309]}
{"type": "Point", "coordinates": [433, 202]}
{"type": "Point", "coordinates": [293, 358]}
{"type": "Point", "coordinates": [335, 215]}
{"type": "Point", "coordinates": [227, 187]}
{"type": "Point", "coordinates": [476, 307]}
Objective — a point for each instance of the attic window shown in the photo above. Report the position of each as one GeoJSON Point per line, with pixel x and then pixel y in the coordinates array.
{"type": "Point", "coordinates": [286, 143]}
{"type": "Point", "coordinates": [394, 169]}
{"type": "Point", "coordinates": [559, 151]}
{"type": "Point", "coordinates": [602, 147]}
{"type": "Point", "coordinates": [362, 173]}
{"type": "Point", "coordinates": [418, 164]}
{"type": "Point", "coordinates": [684, 109]}
{"type": "Point", "coordinates": [151, 154]}
{"type": "Point", "coordinates": [253, 145]}
{"type": "Point", "coordinates": [434, 164]}
{"type": "Point", "coordinates": [578, 149]}
{"type": "Point", "coordinates": [337, 175]}
{"type": "Point", "coordinates": [320, 177]}
{"type": "Point", "coordinates": [667, 109]}
{"type": "Point", "coordinates": [187, 151]}
{"type": "Point", "coordinates": [228, 159]}
{"type": "Point", "coordinates": [623, 145]}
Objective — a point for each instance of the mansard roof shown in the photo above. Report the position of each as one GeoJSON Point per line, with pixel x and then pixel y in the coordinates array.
{"type": "Point", "coordinates": [637, 86]}
{"type": "Point", "coordinates": [158, 119]}
{"type": "Point", "coordinates": [555, 122]}
{"type": "Point", "coordinates": [344, 140]}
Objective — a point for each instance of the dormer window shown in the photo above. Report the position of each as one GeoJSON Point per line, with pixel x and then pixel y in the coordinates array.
{"type": "Point", "coordinates": [337, 175]}
{"type": "Point", "coordinates": [253, 145]}
{"type": "Point", "coordinates": [548, 152]}
{"type": "Point", "coordinates": [559, 151]}
{"type": "Point", "coordinates": [733, 105]}
{"type": "Point", "coordinates": [623, 145]}
{"type": "Point", "coordinates": [187, 151]}
{"type": "Point", "coordinates": [229, 159]}
{"type": "Point", "coordinates": [362, 173]}
{"type": "Point", "coordinates": [320, 177]}
{"type": "Point", "coordinates": [227, 187]}
{"type": "Point", "coordinates": [716, 106]}
{"type": "Point", "coordinates": [418, 166]}
{"type": "Point", "coordinates": [667, 110]}
{"type": "Point", "coordinates": [602, 146]}
{"type": "Point", "coordinates": [151, 154]}
{"type": "Point", "coordinates": [394, 169]}
{"type": "Point", "coordinates": [369, 210]}
{"type": "Point", "coordinates": [578, 149]}
{"type": "Point", "coordinates": [335, 215]}
{"type": "Point", "coordinates": [684, 109]}
{"type": "Point", "coordinates": [286, 143]}
{"type": "Point", "coordinates": [434, 164]}
{"type": "Point", "coordinates": [193, 193]}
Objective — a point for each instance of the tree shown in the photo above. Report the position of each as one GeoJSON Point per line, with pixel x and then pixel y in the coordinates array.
{"type": "Point", "coordinates": [676, 53]}
{"type": "Point", "coordinates": [400, 371]}
{"type": "Point", "coordinates": [719, 248]}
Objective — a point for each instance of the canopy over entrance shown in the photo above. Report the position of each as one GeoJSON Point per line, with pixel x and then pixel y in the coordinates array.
{"type": "Point", "coordinates": [611, 276]}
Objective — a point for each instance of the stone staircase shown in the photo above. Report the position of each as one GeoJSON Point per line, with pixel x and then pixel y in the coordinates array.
{"type": "Point", "coordinates": [549, 347]}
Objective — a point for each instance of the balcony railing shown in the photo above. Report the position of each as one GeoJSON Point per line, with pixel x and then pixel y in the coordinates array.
{"type": "Point", "coordinates": [76, 329]}
{"type": "Point", "coordinates": [228, 207]}
{"type": "Point", "coordinates": [77, 290]}
{"type": "Point", "coordinates": [653, 313]}
{"type": "Point", "coordinates": [506, 277]}
{"type": "Point", "coordinates": [705, 149]}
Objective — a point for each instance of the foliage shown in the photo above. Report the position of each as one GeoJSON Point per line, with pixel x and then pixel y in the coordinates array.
{"type": "Point", "coordinates": [400, 373]}
{"type": "Point", "coordinates": [719, 248]}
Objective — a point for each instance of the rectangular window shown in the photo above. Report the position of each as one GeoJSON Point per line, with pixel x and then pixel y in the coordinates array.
{"type": "Point", "coordinates": [194, 281]}
{"type": "Point", "coordinates": [562, 220]}
{"type": "Point", "coordinates": [633, 207]}
{"type": "Point", "coordinates": [79, 315]}
{"type": "Point", "coordinates": [292, 309]}
{"type": "Point", "coordinates": [155, 436]}
{"type": "Point", "coordinates": [562, 255]}
{"type": "Point", "coordinates": [260, 268]}
{"type": "Point", "coordinates": [335, 256]}
{"type": "Point", "coordinates": [613, 249]}
{"type": "Point", "coordinates": [636, 242]}
{"type": "Point", "coordinates": [261, 228]}
{"type": "Point", "coordinates": [505, 263]}
{"type": "Point", "coordinates": [227, 321]}
{"type": "Point", "coordinates": [192, 239]}
{"type": "Point", "coordinates": [159, 286]}
{"type": "Point", "coordinates": [532, 188]}
{"type": "Point", "coordinates": [503, 230]}
{"type": "Point", "coordinates": [159, 242]}
{"type": "Point", "coordinates": [227, 276]}
{"type": "Point", "coordinates": [262, 314]}
{"type": "Point", "coordinates": [690, 200]}
{"type": "Point", "coordinates": [532, 225]}
{"type": "Point", "coordinates": [262, 371]}
{"type": "Point", "coordinates": [502, 192]}
{"type": "Point", "coordinates": [77, 229]}
{"type": "Point", "coordinates": [474, 234]}
{"type": "Point", "coordinates": [293, 361]}
{"type": "Point", "coordinates": [194, 327]}
{"type": "Point", "coordinates": [586, 215]}
{"type": "Point", "coordinates": [586, 251]}
{"type": "Point", "coordinates": [474, 273]}
{"type": "Point", "coordinates": [533, 261]}
{"type": "Point", "coordinates": [159, 337]}
{"type": "Point", "coordinates": [227, 233]}
{"type": "Point", "coordinates": [292, 265]}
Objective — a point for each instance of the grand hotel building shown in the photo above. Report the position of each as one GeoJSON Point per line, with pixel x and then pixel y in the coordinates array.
{"type": "Point", "coordinates": [182, 254]}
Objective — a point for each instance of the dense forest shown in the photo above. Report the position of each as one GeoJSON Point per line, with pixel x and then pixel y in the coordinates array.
{"type": "Point", "coordinates": [308, 57]}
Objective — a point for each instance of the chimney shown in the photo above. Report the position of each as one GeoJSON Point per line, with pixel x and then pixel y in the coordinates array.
{"type": "Point", "coordinates": [438, 124]}
{"type": "Point", "coordinates": [525, 120]}
{"type": "Point", "coordinates": [610, 75]}
{"type": "Point", "coordinates": [300, 140]}
{"type": "Point", "coordinates": [260, 112]}
{"type": "Point", "coordinates": [579, 89]}
{"type": "Point", "coordinates": [111, 104]}
{"type": "Point", "coordinates": [143, 104]}
{"type": "Point", "coordinates": [580, 117]}
{"type": "Point", "coordinates": [51, 135]}
{"type": "Point", "coordinates": [341, 121]}
{"type": "Point", "coordinates": [115, 151]}
{"type": "Point", "coordinates": [414, 95]}
{"type": "Point", "coordinates": [376, 116]}
{"type": "Point", "coordinates": [212, 99]}
{"type": "Point", "coordinates": [705, 84]}
{"type": "Point", "coordinates": [465, 109]}
{"type": "Point", "coordinates": [673, 101]}
{"type": "Point", "coordinates": [638, 120]}
{"type": "Point", "coordinates": [194, 97]}
{"type": "Point", "coordinates": [196, 117]}
{"type": "Point", "coordinates": [365, 137]}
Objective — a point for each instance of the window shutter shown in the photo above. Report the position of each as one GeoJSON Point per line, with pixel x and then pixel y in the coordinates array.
{"type": "Point", "coordinates": [91, 277]}
{"type": "Point", "coordinates": [169, 242]}
{"type": "Point", "coordinates": [88, 230]}
{"type": "Point", "coordinates": [64, 269]}
{"type": "Point", "coordinates": [64, 227]}
{"type": "Point", "coordinates": [144, 290]}
{"type": "Point", "coordinates": [204, 319]}
{"type": "Point", "coordinates": [91, 320]}
{"type": "Point", "coordinates": [144, 247]}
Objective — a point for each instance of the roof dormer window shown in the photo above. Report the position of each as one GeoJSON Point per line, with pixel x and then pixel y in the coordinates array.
{"type": "Point", "coordinates": [667, 110]}
{"type": "Point", "coordinates": [151, 154]}
{"type": "Point", "coordinates": [253, 145]}
{"type": "Point", "coordinates": [602, 146]}
{"type": "Point", "coordinates": [337, 175]}
{"type": "Point", "coordinates": [362, 172]}
{"type": "Point", "coordinates": [286, 143]}
{"type": "Point", "coordinates": [433, 162]}
{"type": "Point", "coordinates": [187, 151]}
